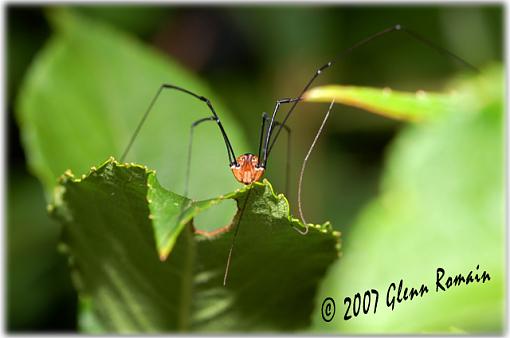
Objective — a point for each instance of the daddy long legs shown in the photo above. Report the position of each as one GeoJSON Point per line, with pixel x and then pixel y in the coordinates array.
{"type": "Point", "coordinates": [250, 167]}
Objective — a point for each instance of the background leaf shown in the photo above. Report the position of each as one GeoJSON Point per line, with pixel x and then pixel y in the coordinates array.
{"type": "Point", "coordinates": [441, 205]}
{"type": "Point", "coordinates": [126, 288]}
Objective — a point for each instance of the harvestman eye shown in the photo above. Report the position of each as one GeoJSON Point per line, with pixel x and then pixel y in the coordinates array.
{"type": "Point", "coordinates": [249, 168]}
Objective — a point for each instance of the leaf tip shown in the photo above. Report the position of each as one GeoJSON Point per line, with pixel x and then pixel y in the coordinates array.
{"type": "Point", "coordinates": [163, 255]}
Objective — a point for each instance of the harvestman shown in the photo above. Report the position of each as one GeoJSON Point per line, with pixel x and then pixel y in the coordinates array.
{"type": "Point", "coordinates": [249, 168]}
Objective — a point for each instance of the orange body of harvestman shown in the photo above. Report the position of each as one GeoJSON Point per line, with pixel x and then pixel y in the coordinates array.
{"type": "Point", "coordinates": [247, 169]}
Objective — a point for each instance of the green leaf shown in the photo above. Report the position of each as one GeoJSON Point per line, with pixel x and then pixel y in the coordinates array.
{"type": "Point", "coordinates": [441, 206]}
{"type": "Point", "coordinates": [110, 221]}
{"type": "Point", "coordinates": [88, 89]}
{"type": "Point", "coordinates": [387, 102]}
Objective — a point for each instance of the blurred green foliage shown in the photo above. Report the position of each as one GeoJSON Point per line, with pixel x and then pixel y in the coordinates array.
{"type": "Point", "coordinates": [250, 56]}
{"type": "Point", "coordinates": [40, 291]}
{"type": "Point", "coordinates": [441, 205]}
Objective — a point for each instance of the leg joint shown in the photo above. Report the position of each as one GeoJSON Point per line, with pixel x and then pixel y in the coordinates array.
{"type": "Point", "coordinates": [327, 65]}
{"type": "Point", "coordinates": [206, 100]}
{"type": "Point", "coordinates": [287, 100]}
{"type": "Point", "coordinates": [196, 123]}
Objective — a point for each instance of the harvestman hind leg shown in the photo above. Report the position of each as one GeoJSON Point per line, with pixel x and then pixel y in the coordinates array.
{"type": "Point", "coordinates": [190, 145]}
{"type": "Point", "coordinates": [214, 117]}
{"type": "Point", "coordinates": [396, 28]}
{"type": "Point", "coordinates": [270, 141]}
{"type": "Point", "coordinates": [300, 208]}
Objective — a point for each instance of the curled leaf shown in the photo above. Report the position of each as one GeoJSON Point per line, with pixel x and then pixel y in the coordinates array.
{"type": "Point", "coordinates": [390, 103]}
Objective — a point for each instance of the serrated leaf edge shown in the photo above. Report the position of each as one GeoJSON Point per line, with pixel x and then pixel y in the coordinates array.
{"type": "Point", "coordinates": [59, 190]}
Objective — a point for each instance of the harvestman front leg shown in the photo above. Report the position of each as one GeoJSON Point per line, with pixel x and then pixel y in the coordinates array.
{"type": "Point", "coordinates": [272, 123]}
{"type": "Point", "coordinates": [265, 118]}
{"type": "Point", "coordinates": [188, 167]}
{"type": "Point", "coordinates": [214, 117]}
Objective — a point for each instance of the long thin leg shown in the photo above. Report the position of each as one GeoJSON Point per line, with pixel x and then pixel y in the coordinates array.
{"type": "Point", "coordinates": [272, 123]}
{"type": "Point", "coordinates": [262, 130]}
{"type": "Point", "coordinates": [229, 258]}
{"type": "Point", "coordinates": [190, 145]}
{"type": "Point", "coordinates": [303, 169]}
{"type": "Point", "coordinates": [265, 118]}
{"type": "Point", "coordinates": [396, 28]}
{"type": "Point", "coordinates": [185, 206]}
{"type": "Point", "coordinates": [230, 150]}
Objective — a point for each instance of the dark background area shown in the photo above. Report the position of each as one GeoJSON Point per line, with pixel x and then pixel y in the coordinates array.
{"type": "Point", "coordinates": [250, 56]}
